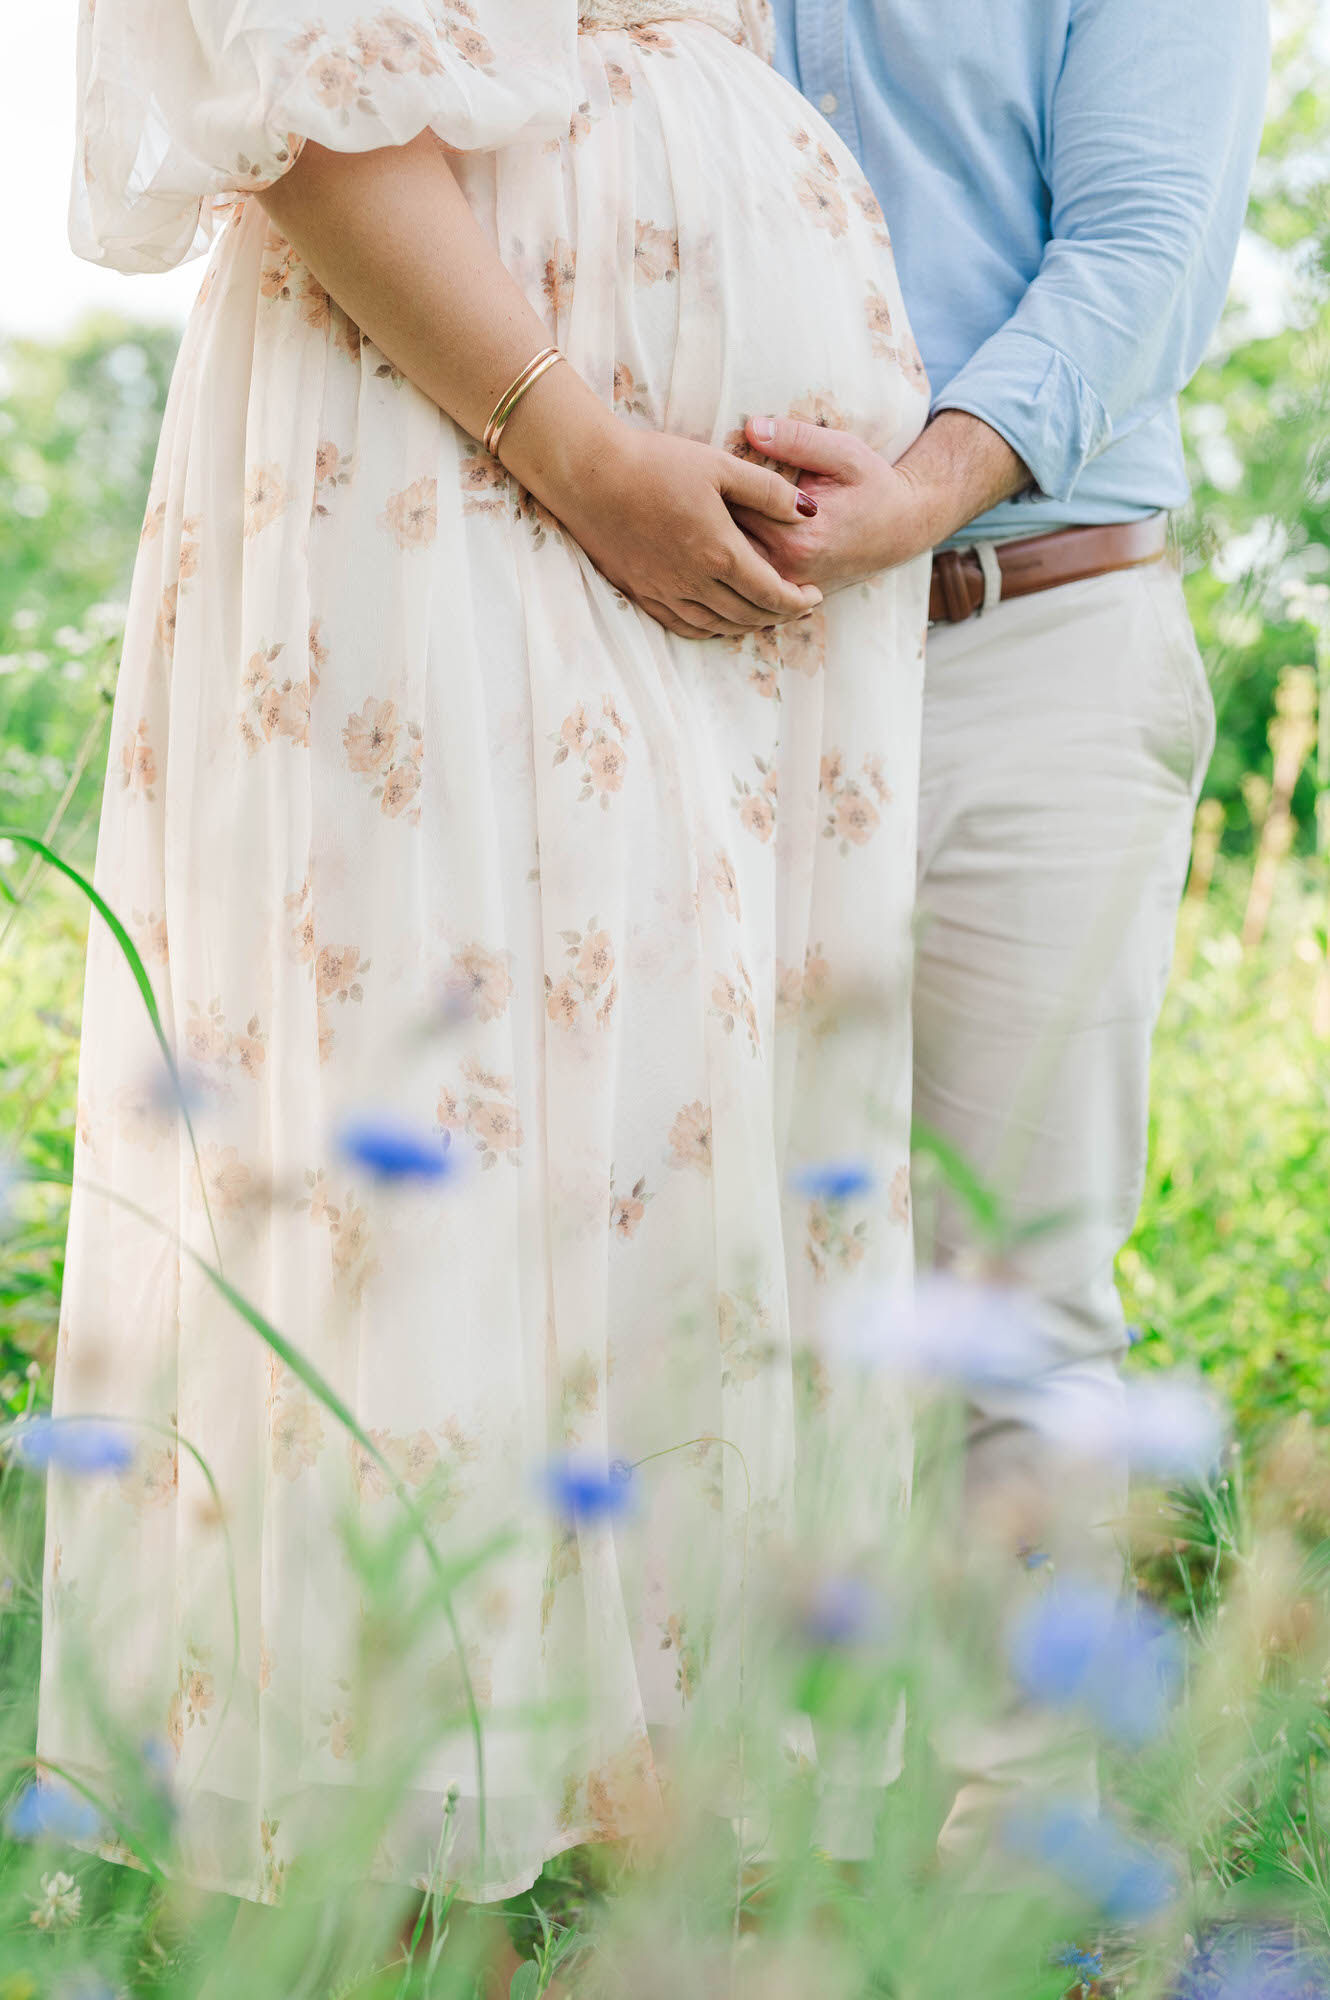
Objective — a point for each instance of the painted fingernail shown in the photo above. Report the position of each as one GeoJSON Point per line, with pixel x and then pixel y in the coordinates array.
{"type": "Point", "coordinates": [806, 505]}
{"type": "Point", "coordinates": [763, 428]}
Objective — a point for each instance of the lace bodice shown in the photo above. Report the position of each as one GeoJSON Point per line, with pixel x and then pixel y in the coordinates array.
{"type": "Point", "coordinates": [741, 20]}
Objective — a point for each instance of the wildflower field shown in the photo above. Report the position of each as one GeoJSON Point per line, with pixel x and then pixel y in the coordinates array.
{"type": "Point", "coordinates": [1205, 1692]}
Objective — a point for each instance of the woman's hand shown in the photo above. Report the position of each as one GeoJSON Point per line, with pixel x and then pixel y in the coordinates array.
{"type": "Point", "coordinates": [653, 513]}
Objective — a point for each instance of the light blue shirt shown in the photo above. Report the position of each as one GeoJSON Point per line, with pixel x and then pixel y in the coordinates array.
{"type": "Point", "coordinates": [1065, 182]}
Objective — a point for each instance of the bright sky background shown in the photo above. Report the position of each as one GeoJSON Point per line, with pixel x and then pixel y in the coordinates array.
{"type": "Point", "coordinates": [45, 286]}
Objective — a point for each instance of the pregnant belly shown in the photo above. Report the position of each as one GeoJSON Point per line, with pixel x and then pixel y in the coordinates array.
{"type": "Point", "coordinates": [703, 248]}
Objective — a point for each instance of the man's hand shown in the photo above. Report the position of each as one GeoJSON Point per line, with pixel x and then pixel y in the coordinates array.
{"type": "Point", "coordinates": [873, 515]}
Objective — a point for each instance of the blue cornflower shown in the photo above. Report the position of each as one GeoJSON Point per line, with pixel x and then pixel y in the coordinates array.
{"type": "Point", "coordinates": [1124, 1879]}
{"type": "Point", "coordinates": [583, 1492]}
{"type": "Point", "coordinates": [834, 1180]}
{"type": "Point", "coordinates": [51, 1812]}
{"type": "Point", "coordinates": [841, 1611]}
{"type": "Point", "coordinates": [1080, 1646]}
{"type": "Point", "coordinates": [393, 1150]}
{"type": "Point", "coordinates": [1253, 1965]}
{"type": "Point", "coordinates": [73, 1444]}
{"type": "Point", "coordinates": [1089, 1964]}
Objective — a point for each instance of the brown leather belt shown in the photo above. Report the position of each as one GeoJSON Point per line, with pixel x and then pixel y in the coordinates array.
{"type": "Point", "coordinates": [1041, 562]}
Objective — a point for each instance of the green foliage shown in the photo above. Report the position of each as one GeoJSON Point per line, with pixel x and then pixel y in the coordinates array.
{"type": "Point", "coordinates": [1257, 425]}
{"type": "Point", "coordinates": [1229, 1266]}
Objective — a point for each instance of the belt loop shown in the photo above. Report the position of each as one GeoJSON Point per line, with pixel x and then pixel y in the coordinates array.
{"type": "Point", "coordinates": [992, 569]}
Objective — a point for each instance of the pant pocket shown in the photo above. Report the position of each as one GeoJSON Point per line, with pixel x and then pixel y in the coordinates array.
{"type": "Point", "coordinates": [1181, 662]}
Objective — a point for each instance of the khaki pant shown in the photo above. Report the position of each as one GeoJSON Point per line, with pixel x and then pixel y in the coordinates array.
{"type": "Point", "coordinates": [1065, 739]}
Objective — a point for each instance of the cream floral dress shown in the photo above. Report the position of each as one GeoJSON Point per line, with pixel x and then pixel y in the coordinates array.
{"type": "Point", "coordinates": [411, 814]}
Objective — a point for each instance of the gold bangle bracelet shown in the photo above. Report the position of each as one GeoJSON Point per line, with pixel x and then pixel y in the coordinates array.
{"type": "Point", "coordinates": [506, 404]}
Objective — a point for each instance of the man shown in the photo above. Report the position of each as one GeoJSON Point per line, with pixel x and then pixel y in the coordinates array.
{"type": "Point", "coordinates": [1065, 181]}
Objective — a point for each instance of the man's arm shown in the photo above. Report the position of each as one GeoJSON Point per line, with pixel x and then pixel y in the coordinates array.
{"type": "Point", "coordinates": [1155, 124]}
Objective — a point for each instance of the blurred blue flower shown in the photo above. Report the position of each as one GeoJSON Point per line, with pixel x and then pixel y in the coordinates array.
{"type": "Point", "coordinates": [1080, 1645]}
{"type": "Point", "coordinates": [1089, 1964]}
{"type": "Point", "coordinates": [394, 1150]}
{"type": "Point", "coordinates": [85, 1986]}
{"type": "Point", "coordinates": [9, 1180]}
{"type": "Point", "coordinates": [1122, 1877]}
{"type": "Point", "coordinates": [73, 1444]}
{"type": "Point", "coordinates": [582, 1491]}
{"type": "Point", "coordinates": [1163, 1426]}
{"type": "Point", "coordinates": [1032, 1558]}
{"type": "Point", "coordinates": [945, 1329]}
{"type": "Point", "coordinates": [842, 1611]}
{"type": "Point", "coordinates": [834, 1180]}
{"type": "Point", "coordinates": [1253, 1965]}
{"type": "Point", "coordinates": [51, 1811]}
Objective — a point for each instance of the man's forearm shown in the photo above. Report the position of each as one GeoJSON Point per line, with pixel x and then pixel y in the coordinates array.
{"type": "Point", "coordinates": [959, 467]}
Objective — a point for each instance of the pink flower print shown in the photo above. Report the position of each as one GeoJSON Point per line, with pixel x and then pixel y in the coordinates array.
{"type": "Point", "coordinates": [621, 84]}
{"type": "Point", "coordinates": [743, 1326]}
{"type": "Point", "coordinates": [803, 644]}
{"type": "Point", "coordinates": [166, 618]}
{"type": "Point", "coordinates": [900, 1195]}
{"type": "Point", "coordinates": [824, 202]}
{"type": "Point", "coordinates": [726, 883]}
{"type": "Point", "coordinates": [575, 733]}
{"type": "Point", "coordinates": [297, 1435]}
{"type": "Point", "coordinates": [265, 497]}
{"type": "Point", "coordinates": [154, 1478]}
{"type": "Point", "coordinates": [398, 789]}
{"type": "Point", "coordinates": [562, 1002]}
{"type": "Point", "coordinates": [335, 973]}
{"type": "Point", "coordinates": [496, 1126]}
{"type": "Point", "coordinates": [756, 814]}
{"type": "Point", "coordinates": [871, 210]}
{"type": "Point", "coordinates": [630, 398]}
{"type": "Point", "coordinates": [318, 653]}
{"type": "Point", "coordinates": [852, 817]}
{"type": "Point", "coordinates": [560, 276]}
{"type": "Point", "coordinates": [412, 516]}
{"type": "Point", "coordinates": [226, 1179]}
{"type": "Point", "coordinates": [470, 44]}
{"type": "Point", "coordinates": [757, 807]}
{"type": "Point", "coordinates": [855, 818]}
{"type": "Point", "coordinates": [880, 326]}
{"type": "Point", "coordinates": [484, 484]}
{"type": "Point", "coordinates": [599, 749]}
{"type": "Point", "coordinates": [732, 1000]}
{"type": "Point", "coordinates": [822, 410]}
{"type": "Point", "coordinates": [449, 1112]}
{"type": "Point", "coordinates": [138, 766]}
{"type": "Point", "coordinates": [330, 470]}
{"type": "Point", "coordinates": [188, 565]}
{"type": "Point", "coordinates": [655, 254]}
{"type": "Point", "coordinates": [654, 40]}
{"type": "Point", "coordinates": [690, 1138]}
{"type": "Point", "coordinates": [483, 978]}
{"type": "Point", "coordinates": [408, 48]}
{"type": "Point", "coordinates": [595, 961]}
{"type": "Point", "coordinates": [627, 1210]}
{"type": "Point", "coordinates": [334, 80]}
{"type": "Point", "coordinates": [206, 1039]}
{"type": "Point", "coordinates": [152, 522]}
{"type": "Point", "coordinates": [789, 992]}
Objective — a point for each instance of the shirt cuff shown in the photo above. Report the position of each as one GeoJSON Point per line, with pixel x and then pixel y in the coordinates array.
{"type": "Point", "coordinates": [1033, 397]}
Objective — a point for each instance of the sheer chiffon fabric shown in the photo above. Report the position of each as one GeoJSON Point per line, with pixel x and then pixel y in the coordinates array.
{"type": "Point", "coordinates": [408, 811]}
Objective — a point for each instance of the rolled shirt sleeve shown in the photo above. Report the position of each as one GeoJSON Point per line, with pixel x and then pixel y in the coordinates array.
{"type": "Point", "coordinates": [1154, 128]}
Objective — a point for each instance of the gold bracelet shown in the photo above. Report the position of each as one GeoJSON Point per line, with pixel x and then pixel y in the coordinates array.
{"type": "Point", "coordinates": [505, 406]}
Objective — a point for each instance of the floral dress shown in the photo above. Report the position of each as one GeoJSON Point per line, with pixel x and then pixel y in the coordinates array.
{"type": "Point", "coordinates": [411, 815]}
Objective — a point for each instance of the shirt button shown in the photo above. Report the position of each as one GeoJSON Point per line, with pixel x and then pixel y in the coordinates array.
{"type": "Point", "coordinates": [827, 103]}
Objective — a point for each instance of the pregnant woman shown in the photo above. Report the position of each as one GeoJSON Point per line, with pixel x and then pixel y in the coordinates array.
{"type": "Point", "coordinates": [471, 773]}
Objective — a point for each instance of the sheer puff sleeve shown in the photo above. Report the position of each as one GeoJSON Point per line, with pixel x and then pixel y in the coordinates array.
{"type": "Point", "coordinates": [183, 104]}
